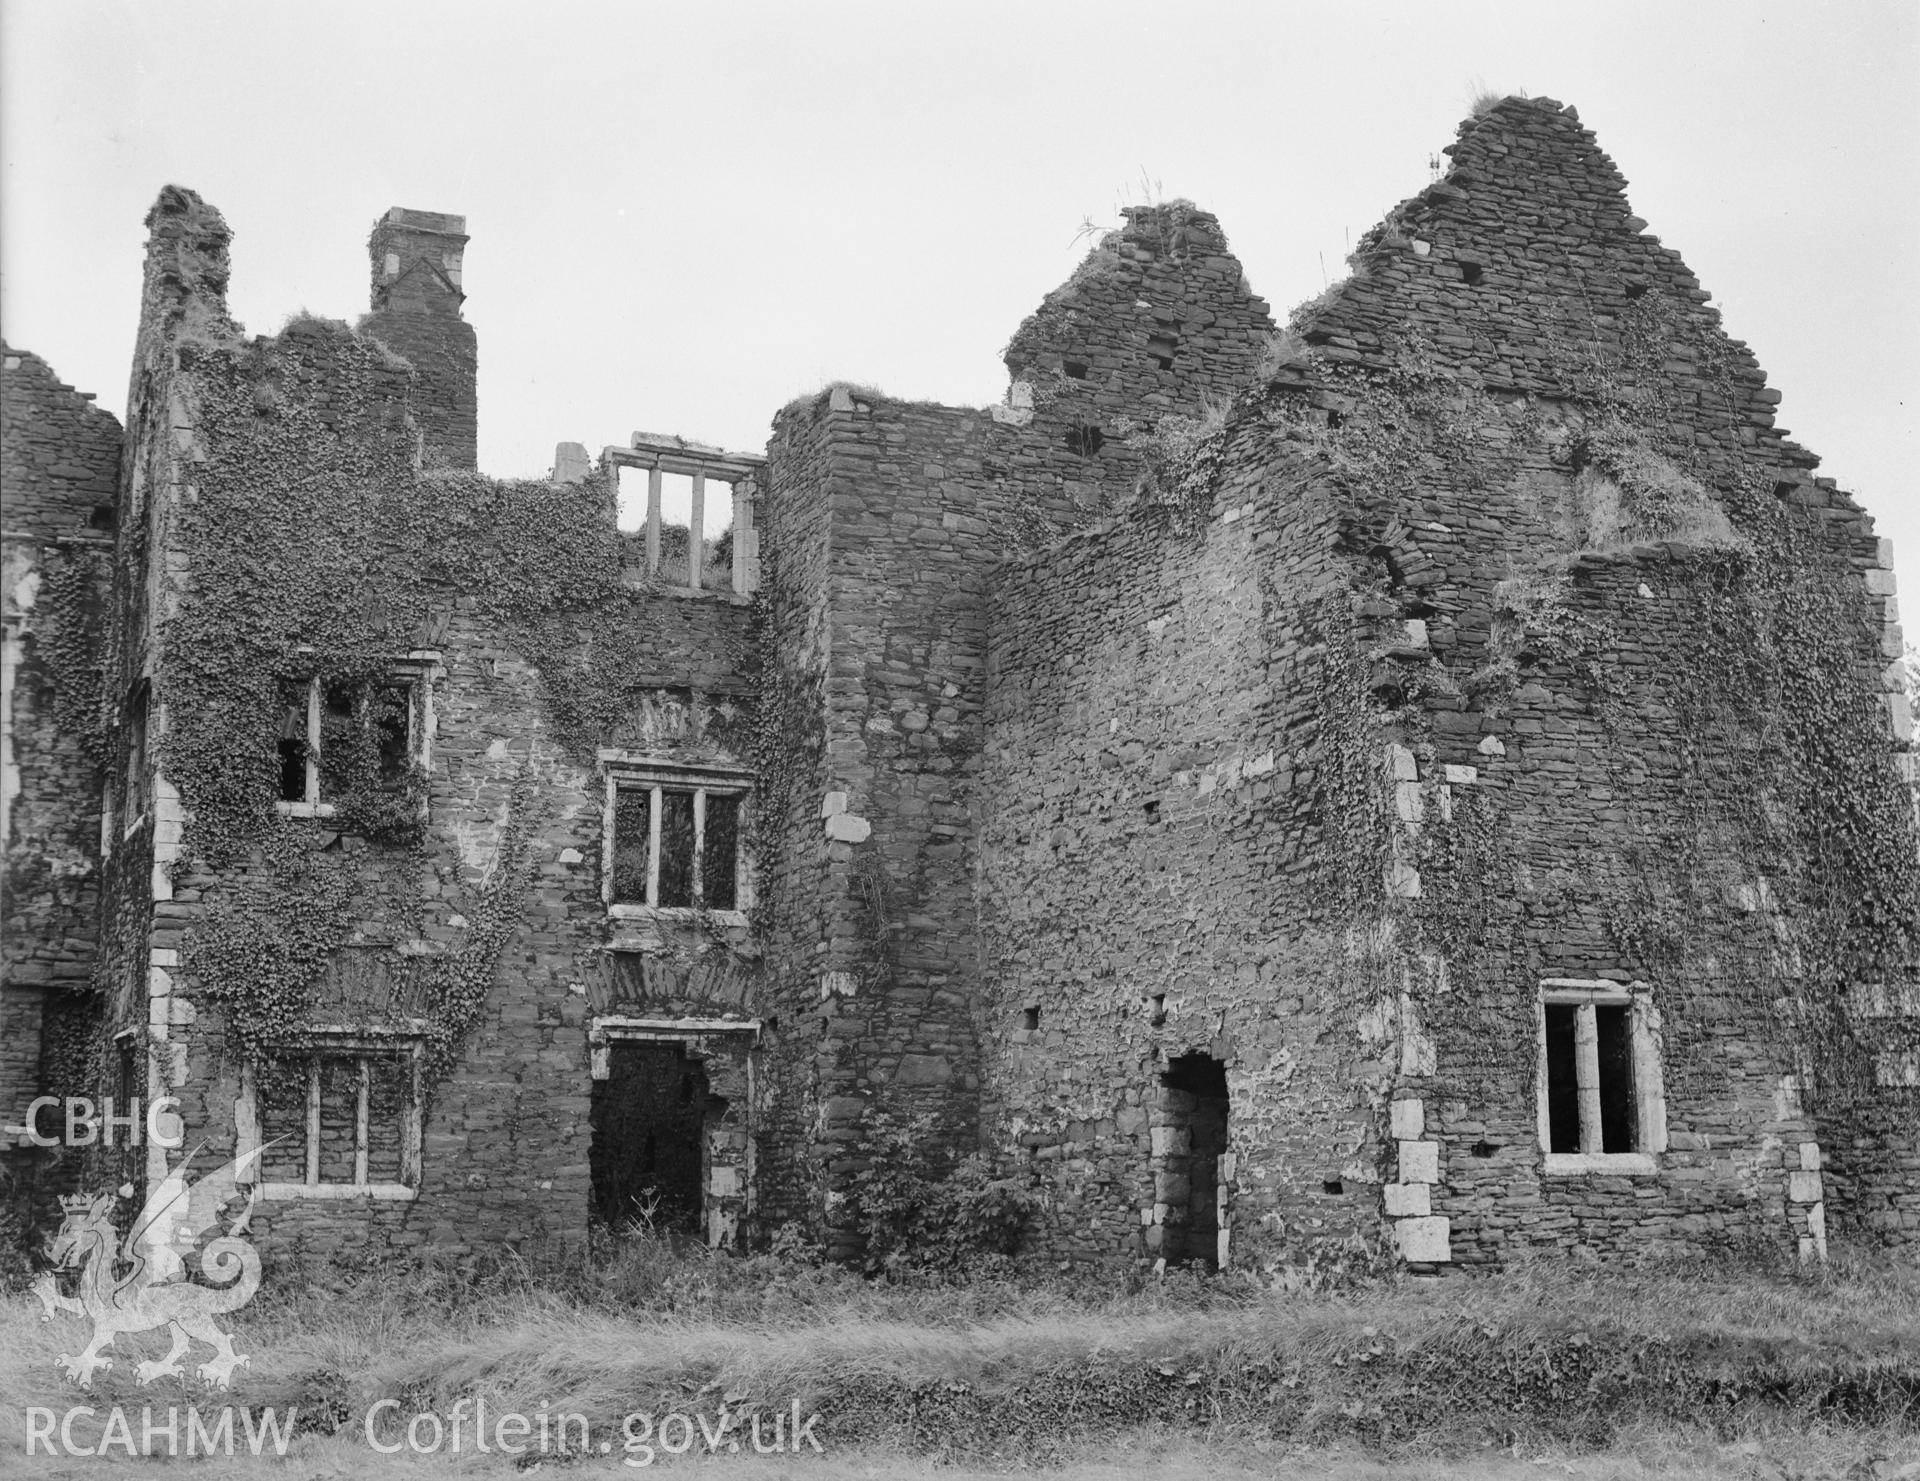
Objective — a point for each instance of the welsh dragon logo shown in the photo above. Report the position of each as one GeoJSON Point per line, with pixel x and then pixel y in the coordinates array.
{"type": "Point", "coordinates": [141, 1283]}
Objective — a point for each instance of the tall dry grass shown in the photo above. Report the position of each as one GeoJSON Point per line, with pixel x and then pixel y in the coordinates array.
{"type": "Point", "coordinates": [1449, 1377]}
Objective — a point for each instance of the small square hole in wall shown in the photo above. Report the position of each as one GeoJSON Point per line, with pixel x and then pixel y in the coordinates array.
{"type": "Point", "coordinates": [1636, 290]}
{"type": "Point", "coordinates": [1471, 273]}
{"type": "Point", "coordinates": [1084, 442]}
{"type": "Point", "coordinates": [1152, 810]}
{"type": "Point", "coordinates": [1484, 1149]}
{"type": "Point", "coordinates": [1163, 347]}
{"type": "Point", "coordinates": [1074, 370]}
{"type": "Point", "coordinates": [1158, 1009]}
{"type": "Point", "coordinates": [1333, 1185]}
{"type": "Point", "coordinates": [1030, 1018]}
{"type": "Point", "coordinates": [102, 517]}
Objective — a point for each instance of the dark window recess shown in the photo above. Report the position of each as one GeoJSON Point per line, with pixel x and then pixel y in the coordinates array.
{"type": "Point", "coordinates": [1636, 290]}
{"type": "Point", "coordinates": [1484, 1149]}
{"type": "Point", "coordinates": [1074, 370]}
{"type": "Point", "coordinates": [1159, 1008]}
{"type": "Point", "coordinates": [293, 743]}
{"type": "Point", "coordinates": [1336, 420]}
{"type": "Point", "coordinates": [1471, 273]}
{"type": "Point", "coordinates": [1333, 1185]}
{"type": "Point", "coordinates": [720, 863]}
{"type": "Point", "coordinates": [676, 849]}
{"type": "Point", "coordinates": [1152, 810]}
{"type": "Point", "coordinates": [137, 798]}
{"type": "Point", "coordinates": [1563, 1084]}
{"type": "Point", "coordinates": [632, 808]}
{"type": "Point", "coordinates": [338, 724]}
{"type": "Point", "coordinates": [1163, 347]}
{"type": "Point", "coordinates": [389, 711]}
{"type": "Point", "coordinates": [1616, 1079]}
{"type": "Point", "coordinates": [1030, 1018]}
{"type": "Point", "coordinates": [1084, 442]}
{"type": "Point", "coordinates": [102, 517]}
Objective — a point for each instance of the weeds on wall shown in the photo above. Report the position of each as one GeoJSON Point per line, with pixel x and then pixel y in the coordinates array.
{"type": "Point", "coordinates": [917, 1207]}
{"type": "Point", "coordinates": [1182, 458]}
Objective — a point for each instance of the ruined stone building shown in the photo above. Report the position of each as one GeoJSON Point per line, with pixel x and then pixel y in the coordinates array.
{"type": "Point", "coordinates": [1432, 778]}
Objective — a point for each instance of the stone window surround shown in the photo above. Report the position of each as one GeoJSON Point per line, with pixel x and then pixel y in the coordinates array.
{"type": "Point", "coordinates": [342, 1041]}
{"type": "Point", "coordinates": [1649, 1095]}
{"type": "Point", "coordinates": [658, 455]}
{"type": "Point", "coordinates": [416, 672]}
{"type": "Point", "coordinates": [626, 770]}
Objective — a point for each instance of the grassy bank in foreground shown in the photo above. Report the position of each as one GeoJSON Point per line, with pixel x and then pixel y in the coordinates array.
{"type": "Point", "coordinates": [1704, 1369]}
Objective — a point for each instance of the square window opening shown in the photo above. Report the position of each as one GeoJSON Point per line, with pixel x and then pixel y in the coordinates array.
{"type": "Point", "coordinates": [1600, 1092]}
{"type": "Point", "coordinates": [341, 1116]}
{"type": "Point", "coordinates": [674, 847]}
{"type": "Point", "coordinates": [334, 733]}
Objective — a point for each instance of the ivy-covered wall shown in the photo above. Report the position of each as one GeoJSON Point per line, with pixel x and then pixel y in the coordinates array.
{"type": "Point", "coordinates": [59, 467]}
{"type": "Point", "coordinates": [294, 534]}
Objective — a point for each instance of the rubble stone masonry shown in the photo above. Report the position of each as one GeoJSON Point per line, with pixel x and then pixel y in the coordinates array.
{"type": "Point", "coordinates": [1432, 783]}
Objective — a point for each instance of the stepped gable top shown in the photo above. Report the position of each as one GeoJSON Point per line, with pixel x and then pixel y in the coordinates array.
{"type": "Point", "coordinates": [1523, 253]}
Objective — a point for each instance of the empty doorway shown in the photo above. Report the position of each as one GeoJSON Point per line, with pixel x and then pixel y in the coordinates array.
{"type": "Point", "coordinates": [649, 1120]}
{"type": "Point", "coordinates": [1189, 1190]}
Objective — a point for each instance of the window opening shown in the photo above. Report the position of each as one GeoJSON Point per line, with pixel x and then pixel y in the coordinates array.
{"type": "Point", "coordinates": [323, 723]}
{"type": "Point", "coordinates": [1592, 1089]}
{"type": "Point", "coordinates": [1084, 442]}
{"type": "Point", "coordinates": [685, 504]}
{"type": "Point", "coordinates": [1162, 347]}
{"type": "Point", "coordinates": [1074, 370]}
{"type": "Point", "coordinates": [137, 782]}
{"type": "Point", "coordinates": [675, 847]}
{"type": "Point", "coordinates": [338, 1115]}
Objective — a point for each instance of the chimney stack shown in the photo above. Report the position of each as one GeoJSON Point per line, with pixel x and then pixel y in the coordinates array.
{"type": "Point", "coordinates": [415, 261]}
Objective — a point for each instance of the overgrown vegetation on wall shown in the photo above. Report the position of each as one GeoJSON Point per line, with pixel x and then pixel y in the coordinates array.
{"type": "Point", "coordinates": [320, 552]}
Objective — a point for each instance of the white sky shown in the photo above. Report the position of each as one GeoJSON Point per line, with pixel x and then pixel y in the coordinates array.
{"type": "Point", "coordinates": [685, 214]}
